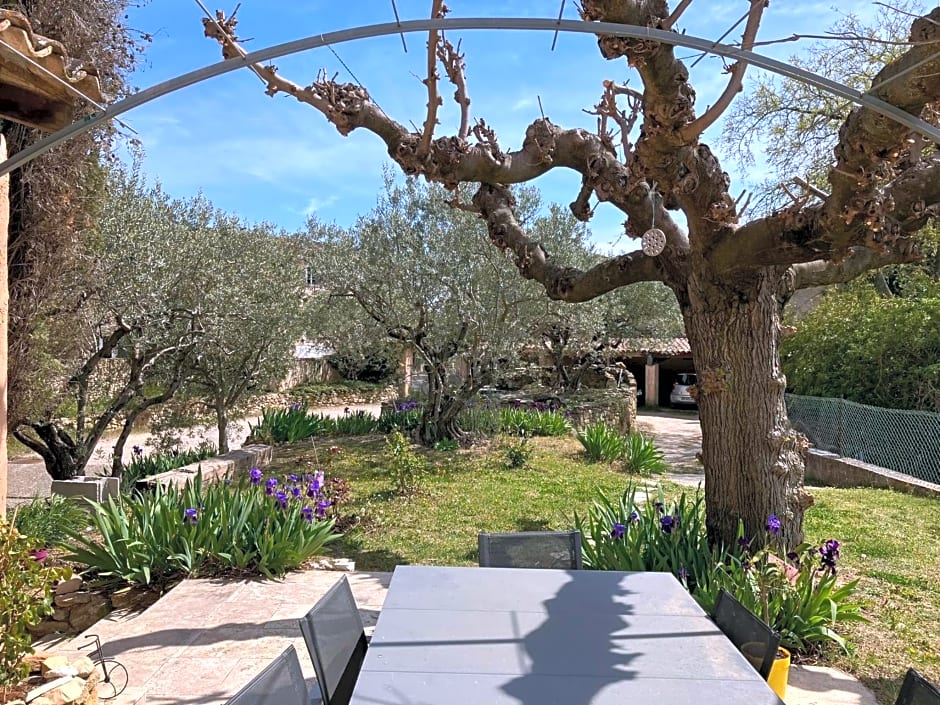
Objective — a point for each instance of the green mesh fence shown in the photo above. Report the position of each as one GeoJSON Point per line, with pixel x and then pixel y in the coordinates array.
{"type": "Point", "coordinates": [905, 441]}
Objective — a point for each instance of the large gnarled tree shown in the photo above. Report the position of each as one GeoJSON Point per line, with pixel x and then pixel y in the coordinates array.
{"type": "Point", "coordinates": [729, 277]}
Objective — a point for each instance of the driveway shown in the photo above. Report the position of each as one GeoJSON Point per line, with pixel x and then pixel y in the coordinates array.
{"type": "Point", "coordinates": [679, 435]}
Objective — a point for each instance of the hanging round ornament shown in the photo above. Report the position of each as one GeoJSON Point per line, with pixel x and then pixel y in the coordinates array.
{"type": "Point", "coordinates": [654, 242]}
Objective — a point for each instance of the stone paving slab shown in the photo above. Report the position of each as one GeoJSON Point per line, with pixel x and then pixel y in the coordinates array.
{"type": "Point", "coordinates": [206, 638]}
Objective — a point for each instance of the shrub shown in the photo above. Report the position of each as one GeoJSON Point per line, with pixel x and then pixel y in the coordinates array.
{"type": "Point", "coordinates": [401, 419]}
{"type": "Point", "coordinates": [257, 524]}
{"type": "Point", "coordinates": [47, 520]}
{"type": "Point", "coordinates": [288, 425]}
{"type": "Point", "coordinates": [533, 422]}
{"type": "Point", "coordinates": [640, 455]}
{"type": "Point", "coordinates": [480, 421]}
{"type": "Point", "coordinates": [25, 597]}
{"type": "Point", "coordinates": [601, 442]}
{"type": "Point", "coordinates": [796, 595]}
{"type": "Point", "coordinates": [515, 452]}
{"type": "Point", "coordinates": [656, 535]}
{"type": "Point", "coordinates": [142, 466]}
{"type": "Point", "coordinates": [406, 467]}
{"type": "Point", "coordinates": [358, 423]}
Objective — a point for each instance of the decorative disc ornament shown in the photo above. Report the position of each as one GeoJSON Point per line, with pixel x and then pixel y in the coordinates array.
{"type": "Point", "coordinates": [654, 242]}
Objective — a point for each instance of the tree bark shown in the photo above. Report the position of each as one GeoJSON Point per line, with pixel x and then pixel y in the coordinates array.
{"type": "Point", "coordinates": [754, 460]}
{"type": "Point", "coordinates": [221, 416]}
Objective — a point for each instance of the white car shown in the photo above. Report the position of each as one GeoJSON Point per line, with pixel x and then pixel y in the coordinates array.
{"type": "Point", "coordinates": [680, 396]}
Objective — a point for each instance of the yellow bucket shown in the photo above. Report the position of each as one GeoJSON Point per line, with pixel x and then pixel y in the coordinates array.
{"type": "Point", "coordinates": [779, 673]}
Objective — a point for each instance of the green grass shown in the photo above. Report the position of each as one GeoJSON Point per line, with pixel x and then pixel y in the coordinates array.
{"type": "Point", "coordinates": [467, 491]}
{"type": "Point", "coordinates": [891, 542]}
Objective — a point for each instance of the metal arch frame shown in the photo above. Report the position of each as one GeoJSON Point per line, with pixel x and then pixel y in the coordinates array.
{"type": "Point", "coordinates": [464, 23]}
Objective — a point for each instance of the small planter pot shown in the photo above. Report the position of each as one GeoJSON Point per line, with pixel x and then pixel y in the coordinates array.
{"type": "Point", "coordinates": [780, 673]}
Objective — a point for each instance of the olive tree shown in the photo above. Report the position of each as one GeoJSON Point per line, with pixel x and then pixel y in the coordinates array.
{"type": "Point", "coordinates": [138, 326]}
{"type": "Point", "coordinates": [426, 274]}
{"type": "Point", "coordinates": [729, 274]}
{"type": "Point", "coordinates": [253, 309]}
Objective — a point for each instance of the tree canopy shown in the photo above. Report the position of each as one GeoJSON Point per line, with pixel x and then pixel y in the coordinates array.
{"type": "Point", "coordinates": [729, 274]}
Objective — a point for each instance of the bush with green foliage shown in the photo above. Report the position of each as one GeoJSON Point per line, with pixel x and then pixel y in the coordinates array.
{"type": "Point", "coordinates": [356, 423]}
{"type": "Point", "coordinates": [655, 534]}
{"type": "Point", "coordinates": [406, 467]}
{"type": "Point", "coordinates": [375, 364]}
{"type": "Point", "coordinates": [446, 445]}
{"type": "Point", "coordinates": [796, 594]}
{"type": "Point", "coordinates": [533, 422]}
{"type": "Point", "coordinates": [601, 442]}
{"type": "Point", "coordinates": [287, 425]}
{"type": "Point", "coordinates": [256, 524]}
{"type": "Point", "coordinates": [515, 452]}
{"type": "Point", "coordinates": [25, 596]}
{"type": "Point", "coordinates": [640, 455]}
{"type": "Point", "coordinates": [48, 520]}
{"type": "Point", "coordinates": [872, 350]}
{"type": "Point", "coordinates": [142, 466]}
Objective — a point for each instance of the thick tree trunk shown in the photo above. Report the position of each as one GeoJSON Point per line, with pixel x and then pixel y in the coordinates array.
{"type": "Point", "coordinates": [221, 416]}
{"type": "Point", "coordinates": [64, 457]}
{"type": "Point", "coordinates": [754, 461]}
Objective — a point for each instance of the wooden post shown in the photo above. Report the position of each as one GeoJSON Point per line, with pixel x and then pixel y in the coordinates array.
{"type": "Point", "coordinates": [651, 395]}
{"type": "Point", "coordinates": [4, 322]}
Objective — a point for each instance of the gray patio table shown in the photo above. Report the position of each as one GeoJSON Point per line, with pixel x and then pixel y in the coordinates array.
{"type": "Point", "coordinates": [503, 636]}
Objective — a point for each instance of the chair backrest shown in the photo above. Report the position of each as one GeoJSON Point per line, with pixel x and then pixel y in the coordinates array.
{"type": "Point", "coordinates": [917, 690]}
{"type": "Point", "coordinates": [756, 640]}
{"type": "Point", "coordinates": [531, 549]}
{"type": "Point", "coordinates": [280, 683]}
{"type": "Point", "coordinates": [336, 641]}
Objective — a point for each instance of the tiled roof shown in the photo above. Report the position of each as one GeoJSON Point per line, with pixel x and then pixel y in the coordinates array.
{"type": "Point", "coordinates": [30, 95]}
{"type": "Point", "coordinates": [669, 347]}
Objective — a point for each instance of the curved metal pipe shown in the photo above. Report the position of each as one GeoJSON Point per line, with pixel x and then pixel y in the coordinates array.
{"type": "Point", "coordinates": [463, 23]}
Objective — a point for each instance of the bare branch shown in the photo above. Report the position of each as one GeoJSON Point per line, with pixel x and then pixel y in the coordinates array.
{"type": "Point", "coordinates": [438, 9]}
{"type": "Point", "coordinates": [454, 66]}
{"type": "Point", "coordinates": [735, 83]}
{"type": "Point", "coordinates": [670, 21]}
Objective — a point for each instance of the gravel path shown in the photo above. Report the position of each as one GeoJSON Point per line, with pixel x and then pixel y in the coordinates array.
{"type": "Point", "coordinates": [679, 435]}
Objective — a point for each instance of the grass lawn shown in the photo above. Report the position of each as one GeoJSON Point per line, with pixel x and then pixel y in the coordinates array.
{"type": "Point", "coordinates": [890, 540]}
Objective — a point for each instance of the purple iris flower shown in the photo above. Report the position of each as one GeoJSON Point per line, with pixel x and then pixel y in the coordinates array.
{"type": "Point", "coordinates": [773, 525]}
{"type": "Point", "coordinates": [307, 514]}
{"type": "Point", "coordinates": [322, 506]}
{"type": "Point", "coordinates": [137, 450]}
{"type": "Point", "coordinates": [828, 554]}
{"type": "Point", "coordinates": [269, 485]}
{"type": "Point", "coordinates": [190, 516]}
{"type": "Point", "coordinates": [634, 517]}
{"type": "Point", "coordinates": [618, 531]}
{"type": "Point", "coordinates": [255, 475]}
{"type": "Point", "coordinates": [292, 478]}
{"type": "Point", "coordinates": [295, 492]}
{"type": "Point", "coordinates": [667, 523]}
{"type": "Point", "coordinates": [281, 498]}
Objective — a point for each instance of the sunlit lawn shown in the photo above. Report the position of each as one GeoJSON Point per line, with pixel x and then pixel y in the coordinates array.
{"type": "Point", "coordinates": [890, 540]}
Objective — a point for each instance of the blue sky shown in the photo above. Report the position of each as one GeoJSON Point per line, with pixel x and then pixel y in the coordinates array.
{"type": "Point", "coordinates": [277, 160]}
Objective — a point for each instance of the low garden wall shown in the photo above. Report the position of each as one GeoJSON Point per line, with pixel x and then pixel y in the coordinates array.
{"type": "Point", "coordinates": [831, 469]}
{"type": "Point", "coordinates": [244, 459]}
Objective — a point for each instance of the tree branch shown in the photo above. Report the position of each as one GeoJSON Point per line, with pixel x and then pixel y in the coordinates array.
{"type": "Point", "coordinates": [434, 100]}
{"type": "Point", "coordinates": [495, 204]}
{"type": "Point", "coordinates": [861, 259]}
{"type": "Point", "coordinates": [735, 83]}
{"type": "Point", "coordinates": [454, 67]}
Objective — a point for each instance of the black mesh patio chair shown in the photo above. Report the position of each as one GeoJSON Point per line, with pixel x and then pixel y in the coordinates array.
{"type": "Point", "coordinates": [917, 690]}
{"type": "Point", "coordinates": [531, 549]}
{"type": "Point", "coordinates": [280, 683]}
{"type": "Point", "coordinates": [336, 641]}
{"type": "Point", "coordinates": [757, 641]}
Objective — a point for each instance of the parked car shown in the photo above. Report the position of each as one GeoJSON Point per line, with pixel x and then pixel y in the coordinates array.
{"type": "Point", "coordinates": [680, 396]}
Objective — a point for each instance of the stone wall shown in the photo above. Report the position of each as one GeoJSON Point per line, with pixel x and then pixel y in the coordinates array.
{"type": "Point", "coordinates": [240, 460]}
{"type": "Point", "coordinates": [59, 680]}
{"type": "Point", "coordinates": [830, 469]}
{"type": "Point", "coordinates": [615, 407]}
{"type": "Point", "coordinates": [77, 608]}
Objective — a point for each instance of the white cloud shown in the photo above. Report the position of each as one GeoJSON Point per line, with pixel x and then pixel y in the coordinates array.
{"type": "Point", "coordinates": [316, 203]}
